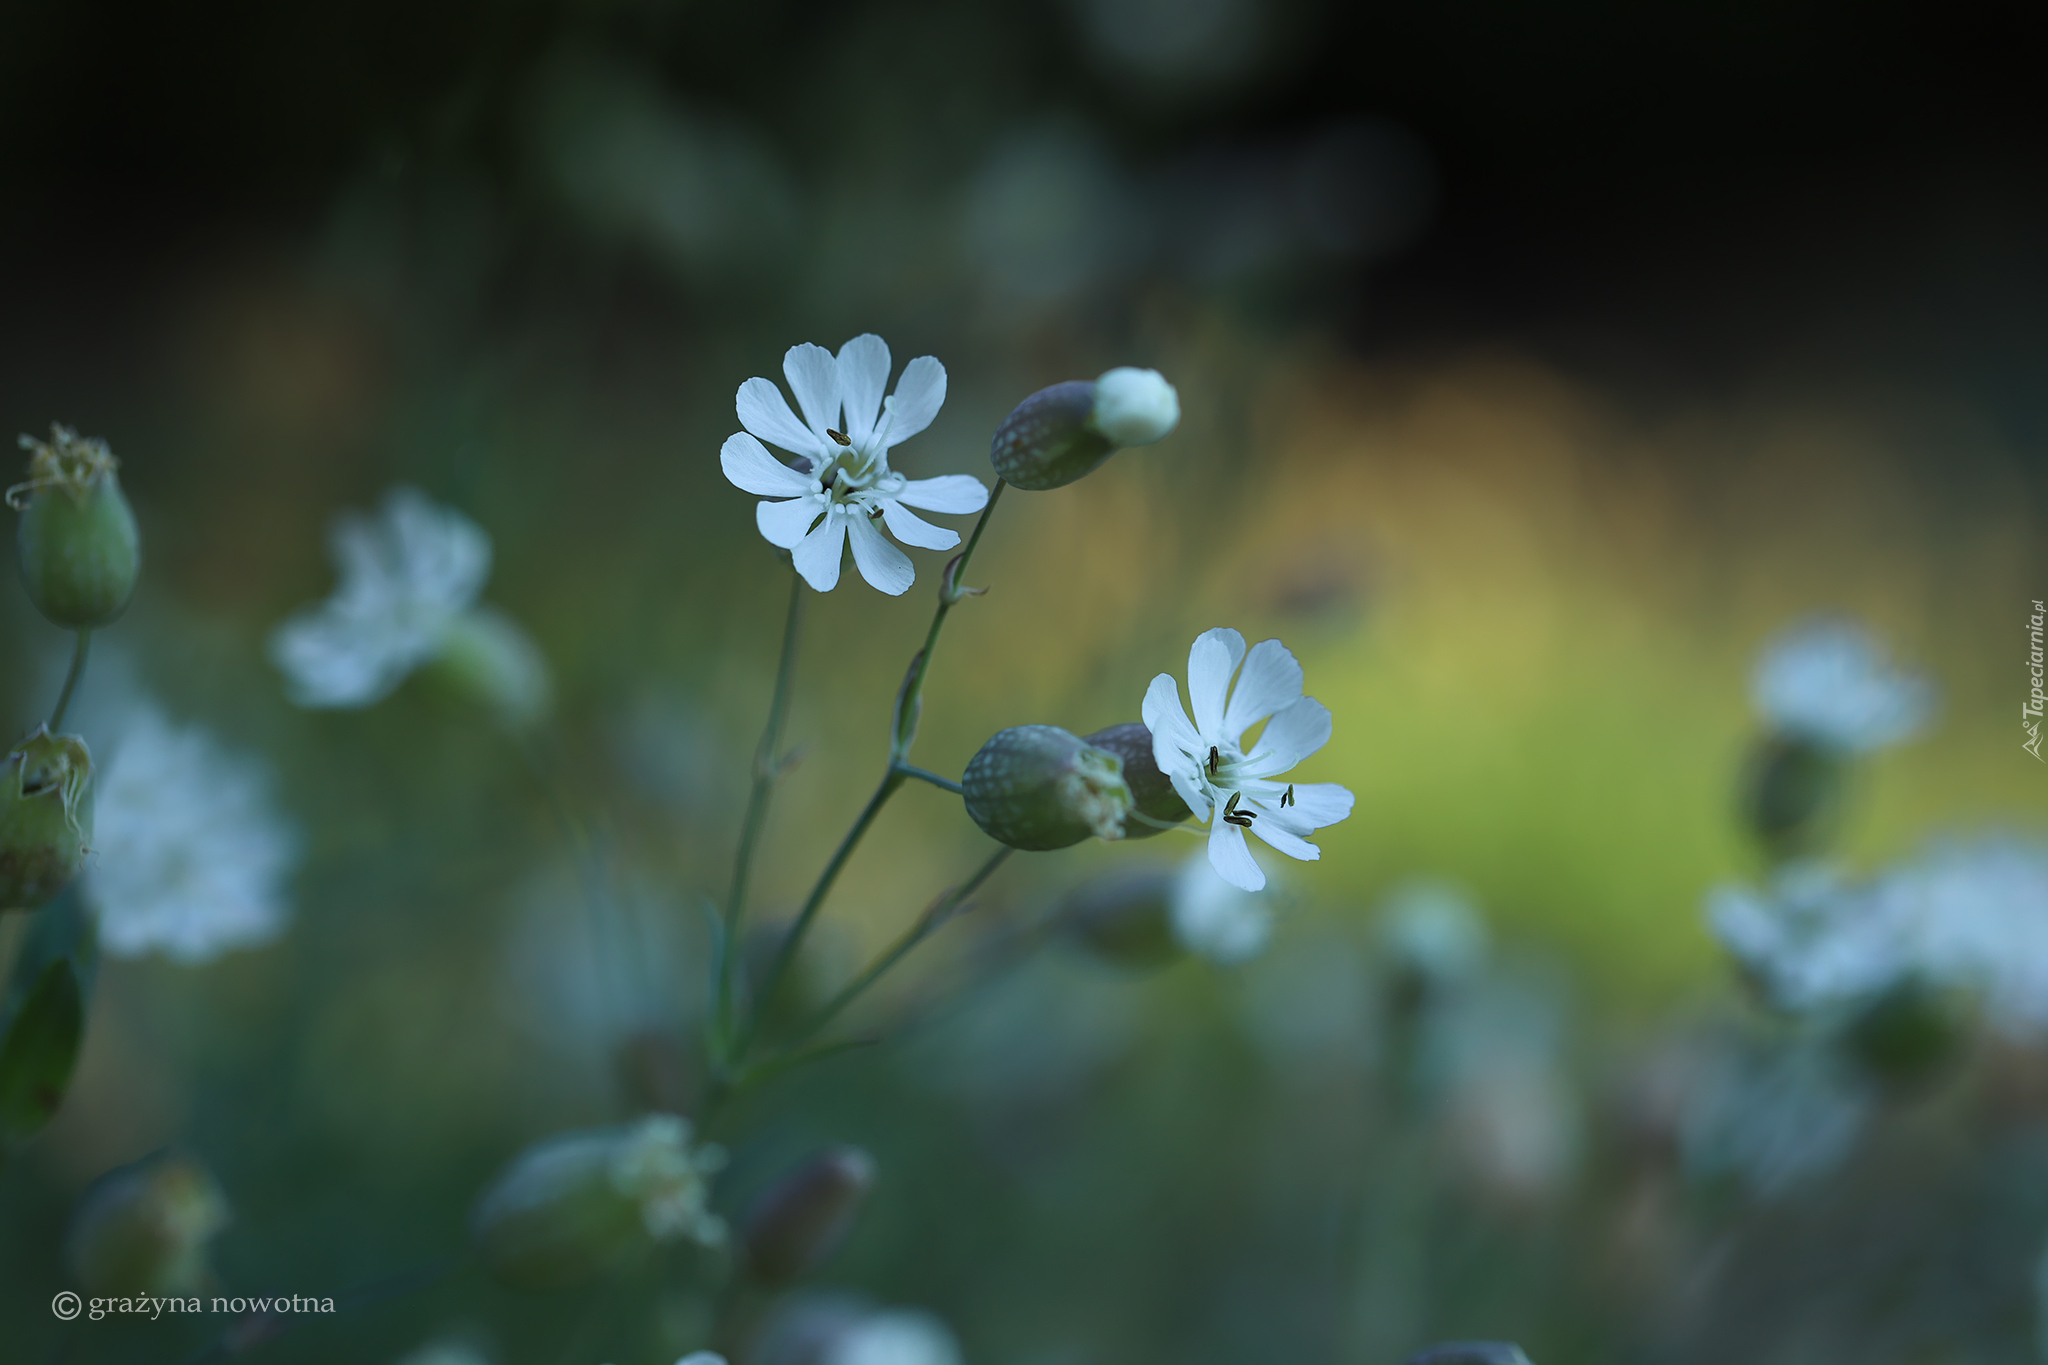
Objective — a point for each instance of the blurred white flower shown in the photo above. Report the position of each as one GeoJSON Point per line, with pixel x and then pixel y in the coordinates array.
{"type": "Point", "coordinates": [702, 1358]}
{"type": "Point", "coordinates": [410, 578]}
{"type": "Point", "coordinates": [1812, 940]}
{"type": "Point", "coordinates": [1230, 789]}
{"type": "Point", "coordinates": [844, 483]}
{"type": "Point", "coordinates": [191, 859]}
{"type": "Point", "coordinates": [1432, 929]}
{"type": "Point", "coordinates": [898, 1336]}
{"type": "Point", "coordinates": [1772, 1117]}
{"type": "Point", "coordinates": [1496, 1054]}
{"type": "Point", "coordinates": [1212, 918]}
{"type": "Point", "coordinates": [1980, 913]}
{"type": "Point", "coordinates": [1829, 681]}
{"type": "Point", "coordinates": [1970, 914]}
{"type": "Point", "coordinates": [656, 1167]}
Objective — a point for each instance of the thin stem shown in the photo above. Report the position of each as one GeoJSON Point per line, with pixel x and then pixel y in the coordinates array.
{"type": "Point", "coordinates": [945, 783]}
{"type": "Point", "coordinates": [78, 653]}
{"type": "Point", "coordinates": [784, 954]}
{"type": "Point", "coordinates": [905, 732]}
{"type": "Point", "coordinates": [767, 767]}
{"type": "Point", "coordinates": [913, 686]}
{"type": "Point", "coordinates": [926, 924]}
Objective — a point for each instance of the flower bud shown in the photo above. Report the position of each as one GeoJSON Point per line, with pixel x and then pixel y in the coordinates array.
{"type": "Point", "coordinates": [575, 1206]}
{"type": "Point", "coordinates": [45, 817]}
{"type": "Point", "coordinates": [1471, 1353]}
{"type": "Point", "coordinates": [1135, 407]}
{"type": "Point", "coordinates": [804, 1217]}
{"type": "Point", "coordinates": [1152, 793]}
{"type": "Point", "coordinates": [1793, 794]}
{"type": "Point", "coordinates": [1064, 432]}
{"type": "Point", "coordinates": [1038, 787]}
{"type": "Point", "coordinates": [79, 547]}
{"type": "Point", "coordinates": [144, 1229]}
{"type": "Point", "coordinates": [1125, 917]}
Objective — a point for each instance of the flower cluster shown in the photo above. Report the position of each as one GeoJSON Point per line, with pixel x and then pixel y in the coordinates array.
{"type": "Point", "coordinates": [1828, 681]}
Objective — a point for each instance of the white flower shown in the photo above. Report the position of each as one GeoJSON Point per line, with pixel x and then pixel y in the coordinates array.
{"type": "Point", "coordinates": [1980, 913]}
{"type": "Point", "coordinates": [1213, 919]}
{"type": "Point", "coordinates": [1224, 785]}
{"type": "Point", "coordinates": [897, 1336]}
{"type": "Point", "coordinates": [843, 482]}
{"type": "Point", "coordinates": [190, 859]}
{"type": "Point", "coordinates": [410, 578]}
{"type": "Point", "coordinates": [1135, 407]}
{"type": "Point", "coordinates": [1829, 681]}
{"type": "Point", "coordinates": [1812, 940]}
{"type": "Point", "coordinates": [656, 1167]}
{"type": "Point", "coordinates": [1432, 928]}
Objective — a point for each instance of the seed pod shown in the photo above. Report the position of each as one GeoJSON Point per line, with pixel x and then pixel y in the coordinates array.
{"type": "Point", "coordinates": [1125, 917]}
{"type": "Point", "coordinates": [1066, 431]}
{"type": "Point", "coordinates": [572, 1207]}
{"type": "Point", "coordinates": [1152, 793]}
{"type": "Point", "coordinates": [1471, 1353]}
{"type": "Point", "coordinates": [45, 817]}
{"type": "Point", "coordinates": [144, 1229]}
{"type": "Point", "coordinates": [1793, 796]}
{"type": "Point", "coordinates": [79, 547]}
{"type": "Point", "coordinates": [1038, 787]}
{"type": "Point", "coordinates": [804, 1217]}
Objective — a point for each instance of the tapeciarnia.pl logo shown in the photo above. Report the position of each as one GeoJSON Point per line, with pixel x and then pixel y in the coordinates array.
{"type": "Point", "coordinates": [2030, 712]}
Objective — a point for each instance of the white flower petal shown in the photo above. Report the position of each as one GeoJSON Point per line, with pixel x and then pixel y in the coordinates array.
{"type": "Point", "coordinates": [863, 375]}
{"type": "Point", "coordinates": [949, 493]}
{"type": "Point", "coordinates": [884, 566]}
{"type": "Point", "coordinates": [919, 395]}
{"type": "Point", "coordinates": [787, 523]}
{"type": "Point", "coordinates": [1231, 859]}
{"type": "Point", "coordinates": [1194, 792]}
{"type": "Point", "coordinates": [749, 466]}
{"type": "Point", "coordinates": [813, 377]}
{"type": "Point", "coordinates": [1174, 741]}
{"type": "Point", "coordinates": [912, 529]}
{"type": "Point", "coordinates": [1315, 805]}
{"type": "Point", "coordinates": [1292, 735]}
{"type": "Point", "coordinates": [1270, 679]}
{"type": "Point", "coordinates": [1293, 845]}
{"type": "Point", "coordinates": [818, 554]}
{"type": "Point", "coordinates": [332, 657]}
{"type": "Point", "coordinates": [1214, 656]}
{"type": "Point", "coordinates": [765, 412]}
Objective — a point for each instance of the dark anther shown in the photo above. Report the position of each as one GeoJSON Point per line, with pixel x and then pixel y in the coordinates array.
{"type": "Point", "coordinates": [1231, 808]}
{"type": "Point", "coordinates": [1287, 798]}
{"type": "Point", "coordinates": [874, 514]}
{"type": "Point", "coordinates": [839, 436]}
{"type": "Point", "coordinates": [1212, 760]}
{"type": "Point", "coordinates": [1242, 821]}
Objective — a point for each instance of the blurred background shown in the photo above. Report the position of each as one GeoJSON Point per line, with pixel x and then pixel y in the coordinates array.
{"type": "Point", "coordinates": [1538, 364]}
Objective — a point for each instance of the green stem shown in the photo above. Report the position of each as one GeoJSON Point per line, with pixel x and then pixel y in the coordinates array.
{"type": "Point", "coordinates": [926, 924]}
{"type": "Point", "coordinates": [767, 767]}
{"type": "Point", "coordinates": [944, 783]}
{"type": "Point", "coordinates": [78, 653]}
{"type": "Point", "coordinates": [904, 733]}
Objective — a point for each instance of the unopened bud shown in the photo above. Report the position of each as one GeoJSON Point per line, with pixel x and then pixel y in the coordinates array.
{"type": "Point", "coordinates": [1793, 794]}
{"type": "Point", "coordinates": [79, 547]}
{"type": "Point", "coordinates": [144, 1229]}
{"type": "Point", "coordinates": [1064, 432]}
{"type": "Point", "coordinates": [1038, 787]}
{"type": "Point", "coordinates": [1152, 793]}
{"type": "Point", "coordinates": [577, 1205]}
{"type": "Point", "coordinates": [804, 1217]}
{"type": "Point", "coordinates": [1135, 407]}
{"type": "Point", "coordinates": [1471, 1353]}
{"type": "Point", "coordinates": [1125, 917]}
{"type": "Point", "coordinates": [45, 817]}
